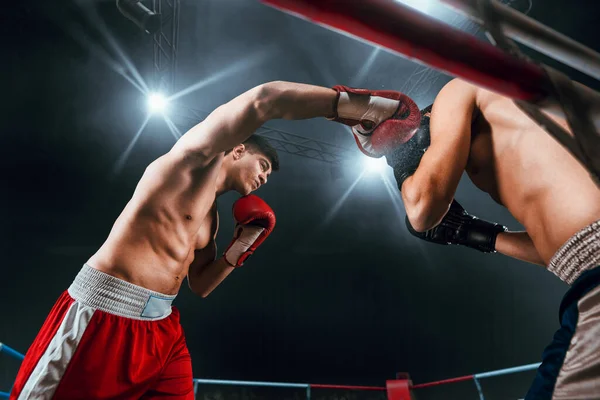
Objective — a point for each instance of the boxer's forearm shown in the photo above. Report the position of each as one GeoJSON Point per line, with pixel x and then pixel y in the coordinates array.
{"type": "Point", "coordinates": [204, 280]}
{"type": "Point", "coordinates": [518, 245]}
{"type": "Point", "coordinates": [233, 122]}
{"type": "Point", "coordinates": [289, 100]}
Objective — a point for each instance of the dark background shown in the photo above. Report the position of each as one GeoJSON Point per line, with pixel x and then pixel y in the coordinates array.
{"type": "Point", "coordinates": [340, 292]}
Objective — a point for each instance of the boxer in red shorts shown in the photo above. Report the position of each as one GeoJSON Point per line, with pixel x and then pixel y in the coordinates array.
{"type": "Point", "coordinates": [113, 333]}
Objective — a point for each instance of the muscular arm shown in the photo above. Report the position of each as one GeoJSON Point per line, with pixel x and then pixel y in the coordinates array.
{"type": "Point", "coordinates": [233, 122]}
{"type": "Point", "coordinates": [206, 272]}
{"type": "Point", "coordinates": [461, 228]}
{"type": "Point", "coordinates": [428, 193]}
{"type": "Point", "coordinates": [518, 245]}
{"type": "Point", "coordinates": [203, 277]}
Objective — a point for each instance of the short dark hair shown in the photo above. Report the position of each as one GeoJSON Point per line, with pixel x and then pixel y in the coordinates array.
{"type": "Point", "coordinates": [426, 112]}
{"type": "Point", "coordinates": [258, 144]}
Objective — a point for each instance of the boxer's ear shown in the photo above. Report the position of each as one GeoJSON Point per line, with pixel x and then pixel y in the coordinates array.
{"type": "Point", "coordinates": [238, 151]}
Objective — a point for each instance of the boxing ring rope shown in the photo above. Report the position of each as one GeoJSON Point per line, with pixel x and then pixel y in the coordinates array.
{"type": "Point", "coordinates": [309, 386]}
{"type": "Point", "coordinates": [536, 36]}
{"type": "Point", "coordinates": [11, 353]}
{"type": "Point", "coordinates": [306, 386]}
{"type": "Point", "coordinates": [477, 377]}
{"type": "Point", "coordinates": [421, 38]}
{"type": "Point", "coordinates": [489, 374]}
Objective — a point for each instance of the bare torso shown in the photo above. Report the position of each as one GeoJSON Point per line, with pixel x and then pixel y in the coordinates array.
{"type": "Point", "coordinates": [152, 242]}
{"type": "Point", "coordinates": [523, 168]}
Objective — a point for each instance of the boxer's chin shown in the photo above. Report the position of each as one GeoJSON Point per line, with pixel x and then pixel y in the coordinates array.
{"type": "Point", "coordinates": [245, 189]}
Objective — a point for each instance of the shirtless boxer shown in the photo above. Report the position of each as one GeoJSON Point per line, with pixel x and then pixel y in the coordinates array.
{"type": "Point", "coordinates": [113, 333]}
{"type": "Point", "coordinates": [507, 155]}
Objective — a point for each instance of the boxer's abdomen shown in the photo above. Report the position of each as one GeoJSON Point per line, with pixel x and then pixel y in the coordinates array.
{"type": "Point", "coordinates": [152, 242]}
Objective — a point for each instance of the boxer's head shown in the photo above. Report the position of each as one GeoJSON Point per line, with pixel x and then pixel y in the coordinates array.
{"type": "Point", "coordinates": [250, 164]}
{"type": "Point", "coordinates": [406, 158]}
{"type": "Point", "coordinates": [381, 120]}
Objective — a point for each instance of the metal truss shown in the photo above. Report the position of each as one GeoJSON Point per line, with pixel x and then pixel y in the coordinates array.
{"type": "Point", "coordinates": [286, 142]}
{"type": "Point", "coordinates": [166, 40]}
{"type": "Point", "coordinates": [165, 64]}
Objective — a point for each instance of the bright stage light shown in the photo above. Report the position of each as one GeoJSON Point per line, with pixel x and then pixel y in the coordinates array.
{"type": "Point", "coordinates": [421, 5]}
{"type": "Point", "coordinates": [375, 165]}
{"type": "Point", "coordinates": [157, 103]}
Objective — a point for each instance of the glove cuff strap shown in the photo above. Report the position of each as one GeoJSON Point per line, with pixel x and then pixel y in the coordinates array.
{"type": "Point", "coordinates": [493, 229]}
{"type": "Point", "coordinates": [496, 229]}
{"type": "Point", "coordinates": [353, 109]}
{"type": "Point", "coordinates": [246, 236]}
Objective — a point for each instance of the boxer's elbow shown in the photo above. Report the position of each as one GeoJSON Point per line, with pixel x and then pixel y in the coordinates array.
{"type": "Point", "coordinates": [425, 206]}
{"type": "Point", "coordinates": [420, 217]}
{"type": "Point", "coordinates": [203, 293]}
{"type": "Point", "coordinates": [268, 100]}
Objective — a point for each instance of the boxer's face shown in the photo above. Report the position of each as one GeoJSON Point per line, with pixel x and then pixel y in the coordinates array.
{"type": "Point", "coordinates": [252, 169]}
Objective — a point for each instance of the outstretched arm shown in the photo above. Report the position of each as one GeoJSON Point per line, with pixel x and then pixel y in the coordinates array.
{"type": "Point", "coordinates": [233, 122]}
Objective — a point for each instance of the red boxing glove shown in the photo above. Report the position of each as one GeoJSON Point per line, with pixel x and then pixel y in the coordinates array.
{"type": "Point", "coordinates": [381, 120]}
{"type": "Point", "coordinates": [254, 222]}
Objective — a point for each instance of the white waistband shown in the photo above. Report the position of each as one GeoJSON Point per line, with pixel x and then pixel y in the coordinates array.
{"type": "Point", "coordinates": [104, 292]}
{"type": "Point", "coordinates": [579, 254]}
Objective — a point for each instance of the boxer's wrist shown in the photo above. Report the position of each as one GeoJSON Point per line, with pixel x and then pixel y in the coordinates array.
{"type": "Point", "coordinates": [469, 230]}
{"type": "Point", "coordinates": [481, 235]}
{"type": "Point", "coordinates": [381, 120]}
{"type": "Point", "coordinates": [461, 228]}
{"type": "Point", "coordinates": [248, 234]}
{"type": "Point", "coordinates": [363, 109]}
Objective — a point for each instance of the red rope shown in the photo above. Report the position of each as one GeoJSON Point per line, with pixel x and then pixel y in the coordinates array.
{"type": "Point", "coordinates": [418, 36]}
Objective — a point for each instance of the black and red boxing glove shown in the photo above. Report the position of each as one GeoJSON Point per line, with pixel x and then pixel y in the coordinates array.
{"type": "Point", "coordinates": [406, 158]}
{"type": "Point", "coordinates": [381, 120]}
{"type": "Point", "coordinates": [460, 227]}
{"type": "Point", "coordinates": [254, 221]}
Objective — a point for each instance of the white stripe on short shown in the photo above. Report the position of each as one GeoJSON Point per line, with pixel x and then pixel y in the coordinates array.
{"type": "Point", "coordinates": [51, 367]}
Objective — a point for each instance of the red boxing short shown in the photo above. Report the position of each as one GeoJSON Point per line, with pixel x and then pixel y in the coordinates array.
{"type": "Point", "coordinates": [107, 338]}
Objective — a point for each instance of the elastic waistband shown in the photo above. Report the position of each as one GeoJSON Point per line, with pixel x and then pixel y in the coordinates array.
{"type": "Point", "coordinates": [579, 254]}
{"type": "Point", "coordinates": [104, 292]}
